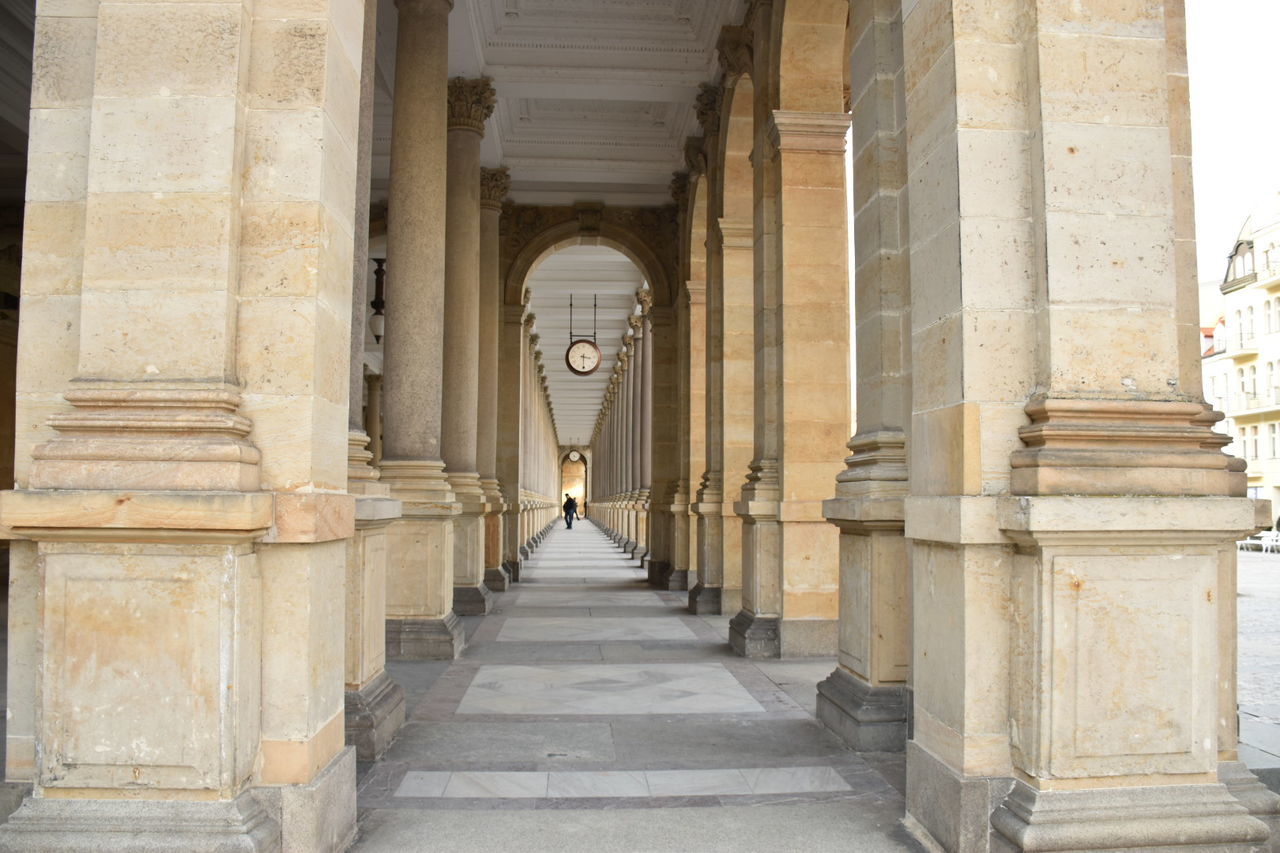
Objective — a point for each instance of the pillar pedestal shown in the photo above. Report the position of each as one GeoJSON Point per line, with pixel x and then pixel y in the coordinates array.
{"type": "Point", "coordinates": [470, 595]}
{"type": "Point", "coordinates": [374, 715]}
{"type": "Point", "coordinates": [425, 639]}
{"type": "Point", "coordinates": [49, 825]}
{"type": "Point", "coordinates": [1188, 817]}
{"type": "Point", "coordinates": [421, 624]}
{"type": "Point", "coordinates": [869, 719]}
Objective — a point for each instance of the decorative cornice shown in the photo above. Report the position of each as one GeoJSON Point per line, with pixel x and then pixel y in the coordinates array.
{"type": "Point", "coordinates": [735, 46]}
{"type": "Point", "coordinates": [471, 102]}
{"type": "Point", "coordinates": [494, 186]}
{"type": "Point", "coordinates": [710, 98]}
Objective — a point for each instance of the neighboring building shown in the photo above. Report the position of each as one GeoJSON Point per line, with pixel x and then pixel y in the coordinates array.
{"type": "Point", "coordinates": [1242, 352]}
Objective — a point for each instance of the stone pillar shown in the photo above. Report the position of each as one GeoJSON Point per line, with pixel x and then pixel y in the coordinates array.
{"type": "Point", "coordinates": [494, 184]}
{"type": "Point", "coordinates": [374, 704]}
{"type": "Point", "coordinates": [421, 622]}
{"type": "Point", "coordinates": [1066, 487]}
{"type": "Point", "coordinates": [470, 104]}
{"type": "Point", "coordinates": [664, 451]}
{"type": "Point", "coordinates": [790, 553]}
{"type": "Point", "coordinates": [693, 457]}
{"type": "Point", "coordinates": [643, 402]}
{"type": "Point", "coordinates": [865, 698]}
{"type": "Point", "coordinates": [181, 641]}
{"type": "Point", "coordinates": [373, 418]}
{"type": "Point", "coordinates": [707, 595]}
{"type": "Point", "coordinates": [511, 355]}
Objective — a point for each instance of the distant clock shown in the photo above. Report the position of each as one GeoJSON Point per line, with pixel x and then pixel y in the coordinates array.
{"type": "Point", "coordinates": [574, 456]}
{"type": "Point", "coordinates": [582, 357]}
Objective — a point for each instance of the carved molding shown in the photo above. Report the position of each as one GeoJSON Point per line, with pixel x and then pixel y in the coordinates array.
{"type": "Point", "coordinates": [709, 101]}
{"type": "Point", "coordinates": [735, 46]}
{"type": "Point", "coordinates": [471, 102]}
{"type": "Point", "coordinates": [494, 186]}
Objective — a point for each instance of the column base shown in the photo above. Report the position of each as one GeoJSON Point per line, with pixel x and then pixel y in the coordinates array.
{"type": "Point", "coordinates": [512, 568]}
{"type": "Point", "coordinates": [374, 714]}
{"type": "Point", "coordinates": [425, 639]}
{"type": "Point", "coordinates": [1190, 817]}
{"type": "Point", "coordinates": [869, 719]}
{"type": "Point", "coordinates": [497, 580]}
{"type": "Point", "coordinates": [472, 600]}
{"type": "Point", "coordinates": [678, 580]}
{"type": "Point", "coordinates": [946, 810]}
{"type": "Point", "coordinates": [657, 572]}
{"type": "Point", "coordinates": [1259, 800]}
{"type": "Point", "coordinates": [807, 638]}
{"type": "Point", "coordinates": [704, 600]}
{"type": "Point", "coordinates": [43, 825]}
{"type": "Point", "coordinates": [320, 816]}
{"type": "Point", "coordinates": [753, 636]}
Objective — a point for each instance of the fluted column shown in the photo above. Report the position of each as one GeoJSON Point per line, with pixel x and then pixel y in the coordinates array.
{"type": "Point", "coordinates": [420, 618]}
{"type": "Point", "coordinates": [494, 184]}
{"type": "Point", "coordinates": [470, 103]}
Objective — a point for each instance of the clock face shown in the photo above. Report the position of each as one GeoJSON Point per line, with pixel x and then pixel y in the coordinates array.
{"type": "Point", "coordinates": [574, 456]}
{"type": "Point", "coordinates": [582, 357]}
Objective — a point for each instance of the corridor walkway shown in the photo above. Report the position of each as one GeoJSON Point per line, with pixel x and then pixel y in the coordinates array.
{"type": "Point", "coordinates": [590, 713]}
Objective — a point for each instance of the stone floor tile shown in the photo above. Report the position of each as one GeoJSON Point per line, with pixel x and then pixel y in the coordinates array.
{"type": "Point", "coordinates": [598, 783]}
{"type": "Point", "coordinates": [418, 783]}
{"type": "Point", "coordinates": [683, 783]}
{"type": "Point", "coordinates": [496, 785]}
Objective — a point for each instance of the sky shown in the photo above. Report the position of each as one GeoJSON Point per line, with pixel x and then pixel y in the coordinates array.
{"type": "Point", "coordinates": [1235, 118]}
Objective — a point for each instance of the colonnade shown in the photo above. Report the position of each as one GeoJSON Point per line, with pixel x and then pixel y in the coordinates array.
{"type": "Point", "coordinates": [1026, 571]}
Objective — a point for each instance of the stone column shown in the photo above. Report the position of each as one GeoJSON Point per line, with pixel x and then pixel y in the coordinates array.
{"type": "Point", "coordinates": [470, 104]}
{"type": "Point", "coordinates": [421, 622]}
{"type": "Point", "coordinates": [1066, 487]}
{"type": "Point", "coordinates": [373, 418]}
{"type": "Point", "coordinates": [707, 595]}
{"type": "Point", "coordinates": [630, 451]}
{"type": "Point", "coordinates": [511, 355]}
{"type": "Point", "coordinates": [790, 554]}
{"type": "Point", "coordinates": [374, 704]}
{"type": "Point", "coordinates": [693, 460]}
{"type": "Point", "coordinates": [494, 184]}
{"type": "Point", "coordinates": [865, 699]}
{"type": "Point", "coordinates": [179, 639]}
{"type": "Point", "coordinates": [642, 402]}
{"type": "Point", "coordinates": [664, 451]}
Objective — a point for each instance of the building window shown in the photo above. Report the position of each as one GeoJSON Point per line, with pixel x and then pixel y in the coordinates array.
{"type": "Point", "coordinates": [1271, 434]}
{"type": "Point", "coordinates": [1248, 322]}
{"type": "Point", "coordinates": [1239, 330]}
{"type": "Point", "coordinates": [1266, 317]}
{"type": "Point", "coordinates": [1248, 262]}
{"type": "Point", "coordinates": [1253, 381]}
{"type": "Point", "coordinates": [1244, 443]}
{"type": "Point", "coordinates": [1253, 442]}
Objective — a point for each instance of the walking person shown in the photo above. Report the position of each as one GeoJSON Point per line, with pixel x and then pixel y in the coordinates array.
{"type": "Point", "coordinates": [570, 511]}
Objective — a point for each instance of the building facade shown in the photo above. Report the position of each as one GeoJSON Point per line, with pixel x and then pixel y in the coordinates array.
{"type": "Point", "coordinates": [1242, 353]}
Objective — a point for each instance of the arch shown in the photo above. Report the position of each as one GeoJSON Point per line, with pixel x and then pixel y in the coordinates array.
{"type": "Point", "coordinates": [572, 233]}
{"type": "Point", "coordinates": [808, 49]}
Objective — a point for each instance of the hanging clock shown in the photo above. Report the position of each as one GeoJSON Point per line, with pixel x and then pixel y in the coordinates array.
{"type": "Point", "coordinates": [582, 357]}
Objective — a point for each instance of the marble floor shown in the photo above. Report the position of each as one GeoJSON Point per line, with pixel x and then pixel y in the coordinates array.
{"type": "Point", "coordinates": [591, 713]}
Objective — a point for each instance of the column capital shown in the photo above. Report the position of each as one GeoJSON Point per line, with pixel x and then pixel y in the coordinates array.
{"type": "Point", "coordinates": [710, 97]}
{"type": "Point", "coordinates": [644, 298]}
{"type": "Point", "coordinates": [735, 47]}
{"type": "Point", "coordinates": [471, 102]}
{"type": "Point", "coordinates": [679, 188]}
{"type": "Point", "coordinates": [494, 186]}
{"type": "Point", "coordinates": [695, 155]}
{"type": "Point", "coordinates": [636, 322]}
{"type": "Point", "coordinates": [823, 133]}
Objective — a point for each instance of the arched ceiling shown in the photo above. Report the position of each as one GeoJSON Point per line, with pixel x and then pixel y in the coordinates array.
{"type": "Point", "coordinates": [584, 271]}
{"type": "Point", "coordinates": [595, 97]}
